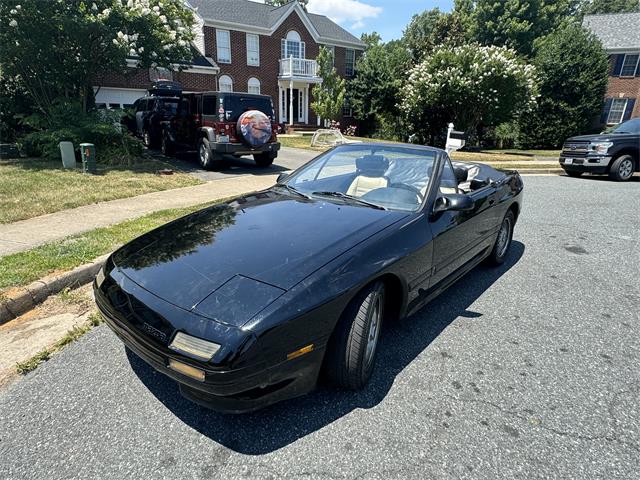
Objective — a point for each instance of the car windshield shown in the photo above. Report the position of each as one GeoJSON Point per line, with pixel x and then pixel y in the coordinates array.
{"type": "Point", "coordinates": [380, 176]}
{"type": "Point", "coordinates": [632, 126]}
{"type": "Point", "coordinates": [235, 105]}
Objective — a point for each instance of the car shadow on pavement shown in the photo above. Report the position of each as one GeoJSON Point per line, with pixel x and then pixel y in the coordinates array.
{"type": "Point", "coordinates": [275, 427]}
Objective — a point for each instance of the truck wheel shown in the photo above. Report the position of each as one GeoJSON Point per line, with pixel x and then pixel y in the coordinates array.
{"type": "Point", "coordinates": [574, 174]}
{"type": "Point", "coordinates": [166, 146]}
{"type": "Point", "coordinates": [206, 157]}
{"type": "Point", "coordinates": [503, 242]}
{"type": "Point", "coordinates": [354, 343]}
{"type": "Point", "coordinates": [622, 168]}
{"type": "Point", "coordinates": [264, 159]}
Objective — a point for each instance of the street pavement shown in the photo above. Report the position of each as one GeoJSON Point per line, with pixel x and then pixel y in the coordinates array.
{"type": "Point", "coordinates": [530, 370]}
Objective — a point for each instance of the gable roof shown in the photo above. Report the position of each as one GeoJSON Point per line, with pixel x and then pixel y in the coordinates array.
{"type": "Point", "coordinates": [616, 31]}
{"type": "Point", "coordinates": [267, 18]}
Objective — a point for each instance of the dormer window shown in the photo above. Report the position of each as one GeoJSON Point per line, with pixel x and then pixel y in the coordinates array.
{"type": "Point", "coordinates": [293, 46]}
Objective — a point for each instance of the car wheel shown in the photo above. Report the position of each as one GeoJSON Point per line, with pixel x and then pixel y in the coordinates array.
{"type": "Point", "coordinates": [264, 160]}
{"type": "Point", "coordinates": [503, 242]}
{"type": "Point", "coordinates": [146, 138]}
{"type": "Point", "coordinates": [574, 174]}
{"type": "Point", "coordinates": [205, 155]}
{"type": "Point", "coordinates": [354, 343]}
{"type": "Point", "coordinates": [166, 146]}
{"type": "Point", "coordinates": [622, 168]}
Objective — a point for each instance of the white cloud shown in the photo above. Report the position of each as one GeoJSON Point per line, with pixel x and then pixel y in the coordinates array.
{"type": "Point", "coordinates": [345, 11]}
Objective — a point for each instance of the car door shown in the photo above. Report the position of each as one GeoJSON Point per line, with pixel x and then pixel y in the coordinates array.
{"type": "Point", "coordinates": [455, 236]}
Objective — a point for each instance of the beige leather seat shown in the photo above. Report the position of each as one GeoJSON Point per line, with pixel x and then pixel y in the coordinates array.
{"type": "Point", "coordinates": [370, 175]}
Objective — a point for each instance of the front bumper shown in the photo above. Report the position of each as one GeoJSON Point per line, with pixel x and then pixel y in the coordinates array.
{"type": "Point", "coordinates": [225, 390]}
{"type": "Point", "coordinates": [242, 149]}
{"type": "Point", "coordinates": [585, 164]}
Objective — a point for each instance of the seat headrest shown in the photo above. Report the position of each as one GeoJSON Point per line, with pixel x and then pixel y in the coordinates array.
{"type": "Point", "coordinates": [372, 165]}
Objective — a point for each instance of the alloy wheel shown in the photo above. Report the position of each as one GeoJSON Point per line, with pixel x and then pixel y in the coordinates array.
{"type": "Point", "coordinates": [504, 236]}
{"type": "Point", "coordinates": [374, 330]}
{"type": "Point", "coordinates": [625, 170]}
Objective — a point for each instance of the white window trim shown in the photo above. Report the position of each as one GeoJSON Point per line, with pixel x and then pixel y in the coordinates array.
{"type": "Point", "coordinates": [256, 83]}
{"type": "Point", "coordinates": [353, 65]}
{"type": "Point", "coordinates": [624, 109]}
{"type": "Point", "coordinates": [228, 35]}
{"type": "Point", "coordinates": [257, 37]}
{"type": "Point", "coordinates": [220, 83]}
{"type": "Point", "coordinates": [636, 67]}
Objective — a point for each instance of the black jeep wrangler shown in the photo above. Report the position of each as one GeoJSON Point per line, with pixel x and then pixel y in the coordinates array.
{"type": "Point", "coordinates": [218, 123]}
{"type": "Point", "coordinates": [159, 105]}
{"type": "Point", "coordinates": [616, 153]}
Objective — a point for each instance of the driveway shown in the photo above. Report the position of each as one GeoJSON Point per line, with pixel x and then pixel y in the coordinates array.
{"type": "Point", "coordinates": [525, 371]}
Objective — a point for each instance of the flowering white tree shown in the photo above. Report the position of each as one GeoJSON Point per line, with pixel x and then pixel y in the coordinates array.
{"type": "Point", "coordinates": [58, 48]}
{"type": "Point", "coordinates": [470, 85]}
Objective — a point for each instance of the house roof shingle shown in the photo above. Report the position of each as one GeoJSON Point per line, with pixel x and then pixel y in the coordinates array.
{"type": "Point", "coordinates": [261, 15]}
{"type": "Point", "coordinates": [616, 31]}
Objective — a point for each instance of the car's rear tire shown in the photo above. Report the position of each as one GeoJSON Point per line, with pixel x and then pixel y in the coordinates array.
{"type": "Point", "coordinates": [622, 168]}
{"type": "Point", "coordinates": [206, 157]}
{"type": "Point", "coordinates": [264, 160]}
{"type": "Point", "coordinates": [166, 146]}
{"type": "Point", "coordinates": [354, 343]}
{"type": "Point", "coordinates": [574, 174]}
{"type": "Point", "coordinates": [503, 241]}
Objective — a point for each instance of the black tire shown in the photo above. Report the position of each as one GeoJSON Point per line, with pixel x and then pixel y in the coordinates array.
{"type": "Point", "coordinates": [353, 345]}
{"type": "Point", "coordinates": [147, 138]}
{"type": "Point", "coordinates": [503, 244]}
{"type": "Point", "coordinates": [574, 174]}
{"type": "Point", "coordinates": [206, 157]}
{"type": "Point", "coordinates": [166, 146]}
{"type": "Point", "coordinates": [264, 160]}
{"type": "Point", "coordinates": [622, 168]}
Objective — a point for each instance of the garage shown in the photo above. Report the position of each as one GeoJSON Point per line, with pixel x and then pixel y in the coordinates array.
{"type": "Point", "coordinates": [111, 97]}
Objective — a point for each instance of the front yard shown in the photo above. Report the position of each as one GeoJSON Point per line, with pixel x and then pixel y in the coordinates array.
{"type": "Point", "coordinates": [31, 187]}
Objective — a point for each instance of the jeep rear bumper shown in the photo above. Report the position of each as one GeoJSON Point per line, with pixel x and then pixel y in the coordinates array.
{"type": "Point", "coordinates": [242, 149]}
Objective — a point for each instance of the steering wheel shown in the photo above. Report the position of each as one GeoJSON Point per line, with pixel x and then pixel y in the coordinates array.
{"type": "Point", "coordinates": [411, 188]}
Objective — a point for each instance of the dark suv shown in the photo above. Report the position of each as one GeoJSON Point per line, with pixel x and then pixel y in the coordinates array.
{"type": "Point", "coordinates": [616, 153]}
{"type": "Point", "coordinates": [159, 105]}
{"type": "Point", "coordinates": [218, 123]}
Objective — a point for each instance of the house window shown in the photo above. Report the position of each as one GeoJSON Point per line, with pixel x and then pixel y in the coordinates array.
{"type": "Point", "coordinates": [629, 65]}
{"type": "Point", "coordinates": [253, 50]}
{"type": "Point", "coordinates": [618, 106]}
{"type": "Point", "coordinates": [225, 84]}
{"type": "Point", "coordinates": [223, 42]}
{"type": "Point", "coordinates": [347, 109]}
{"type": "Point", "coordinates": [292, 46]}
{"type": "Point", "coordinates": [253, 86]}
{"type": "Point", "coordinates": [349, 62]}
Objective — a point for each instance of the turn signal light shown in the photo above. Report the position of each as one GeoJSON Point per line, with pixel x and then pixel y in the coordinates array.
{"type": "Point", "coordinates": [187, 370]}
{"type": "Point", "coordinates": [300, 352]}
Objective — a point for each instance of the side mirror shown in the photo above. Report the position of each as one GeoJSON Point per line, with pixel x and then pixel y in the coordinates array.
{"type": "Point", "coordinates": [461, 174]}
{"type": "Point", "coordinates": [455, 202]}
{"type": "Point", "coordinates": [282, 177]}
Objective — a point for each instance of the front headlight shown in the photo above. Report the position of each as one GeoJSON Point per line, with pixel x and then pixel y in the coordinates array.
{"type": "Point", "coordinates": [193, 346]}
{"type": "Point", "coordinates": [601, 147]}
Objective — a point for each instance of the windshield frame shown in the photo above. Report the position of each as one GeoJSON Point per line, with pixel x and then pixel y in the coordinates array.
{"type": "Point", "coordinates": [324, 157]}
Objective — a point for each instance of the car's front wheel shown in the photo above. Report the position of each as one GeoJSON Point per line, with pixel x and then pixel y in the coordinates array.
{"type": "Point", "coordinates": [147, 138]}
{"type": "Point", "coordinates": [622, 168]}
{"type": "Point", "coordinates": [354, 343]}
{"type": "Point", "coordinates": [503, 241]}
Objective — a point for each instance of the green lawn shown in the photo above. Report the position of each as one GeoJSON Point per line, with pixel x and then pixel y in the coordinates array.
{"type": "Point", "coordinates": [23, 268]}
{"type": "Point", "coordinates": [32, 187]}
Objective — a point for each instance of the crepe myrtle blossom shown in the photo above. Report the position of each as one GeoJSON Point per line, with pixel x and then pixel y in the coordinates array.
{"type": "Point", "coordinates": [470, 85]}
{"type": "Point", "coordinates": [13, 23]}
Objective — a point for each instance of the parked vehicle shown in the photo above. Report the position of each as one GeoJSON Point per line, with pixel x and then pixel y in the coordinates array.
{"type": "Point", "coordinates": [244, 303]}
{"type": "Point", "coordinates": [218, 123]}
{"type": "Point", "coordinates": [616, 153]}
{"type": "Point", "coordinates": [150, 111]}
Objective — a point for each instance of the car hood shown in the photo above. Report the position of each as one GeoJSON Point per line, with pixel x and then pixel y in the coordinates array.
{"type": "Point", "coordinates": [266, 243]}
{"type": "Point", "coordinates": [600, 137]}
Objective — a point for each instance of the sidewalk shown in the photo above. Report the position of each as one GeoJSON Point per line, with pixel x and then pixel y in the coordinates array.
{"type": "Point", "coordinates": [26, 234]}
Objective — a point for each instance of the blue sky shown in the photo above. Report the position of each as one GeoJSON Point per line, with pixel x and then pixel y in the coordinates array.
{"type": "Point", "coordinates": [387, 17]}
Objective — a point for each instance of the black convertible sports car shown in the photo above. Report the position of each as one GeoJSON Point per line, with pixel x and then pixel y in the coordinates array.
{"type": "Point", "coordinates": [246, 303]}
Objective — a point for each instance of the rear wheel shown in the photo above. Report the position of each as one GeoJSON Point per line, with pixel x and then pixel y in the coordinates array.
{"type": "Point", "coordinates": [264, 159]}
{"type": "Point", "coordinates": [622, 168]}
{"type": "Point", "coordinates": [354, 343]}
{"type": "Point", "coordinates": [166, 146]}
{"type": "Point", "coordinates": [206, 157]}
{"type": "Point", "coordinates": [503, 242]}
{"type": "Point", "coordinates": [574, 174]}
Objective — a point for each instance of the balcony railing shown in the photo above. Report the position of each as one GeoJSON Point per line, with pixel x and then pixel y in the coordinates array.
{"type": "Point", "coordinates": [298, 67]}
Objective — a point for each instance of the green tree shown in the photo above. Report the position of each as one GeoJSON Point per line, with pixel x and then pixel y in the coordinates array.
{"type": "Point", "coordinates": [572, 67]}
{"type": "Point", "coordinates": [329, 95]}
{"type": "Point", "coordinates": [518, 23]}
{"type": "Point", "coordinates": [470, 85]}
{"type": "Point", "coordinates": [278, 3]}
{"type": "Point", "coordinates": [57, 49]}
{"type": "Point", "coordinates": [589, 7]}
{"type": "Point", "coordinates": [374, 91]}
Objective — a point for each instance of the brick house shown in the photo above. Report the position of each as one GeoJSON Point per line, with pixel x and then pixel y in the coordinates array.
{"type": "Point", "coordinates": [246, 46]}
{"type": "Point", "coordinates": [620, 36]}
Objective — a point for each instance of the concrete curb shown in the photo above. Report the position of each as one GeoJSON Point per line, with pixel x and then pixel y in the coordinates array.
{"type": "Point", "coordinates": [26, 298]}
{"type": "Point", "coordinates": [540, 171]}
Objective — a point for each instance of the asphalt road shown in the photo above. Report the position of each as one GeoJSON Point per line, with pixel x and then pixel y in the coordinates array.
{"type": "Point", "coordinates": [531, 370]}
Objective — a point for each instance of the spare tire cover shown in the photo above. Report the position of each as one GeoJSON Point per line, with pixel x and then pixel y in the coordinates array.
{"type": "Point", "coordinates": [255, 128]}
